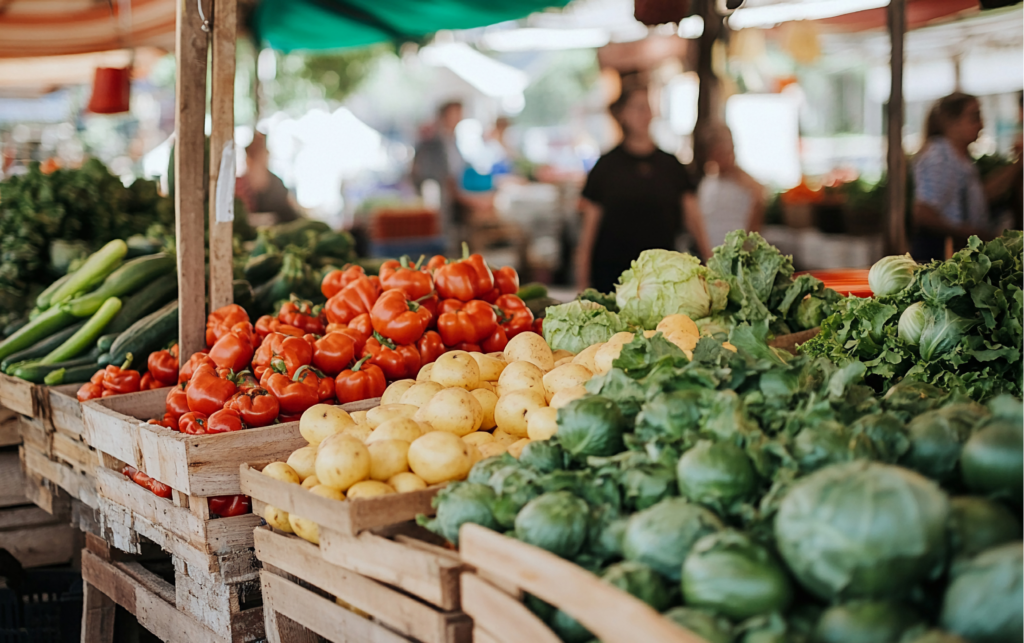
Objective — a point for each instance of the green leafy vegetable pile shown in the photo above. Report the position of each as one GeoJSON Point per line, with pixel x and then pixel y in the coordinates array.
{"type": "Point", "coordinates": [956, 324]}
{"type": "Point", "coordinates": [758, 496]}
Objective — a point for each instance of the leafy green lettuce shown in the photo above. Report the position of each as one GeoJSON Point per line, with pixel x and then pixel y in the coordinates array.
{"type": "Point", "coordinates": [661, 283]}
{"type": "Point", "coordinates": [579, 324]}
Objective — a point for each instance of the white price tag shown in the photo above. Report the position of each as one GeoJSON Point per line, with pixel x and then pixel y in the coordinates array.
{"type": "Point", "coordinates": [226, 185]}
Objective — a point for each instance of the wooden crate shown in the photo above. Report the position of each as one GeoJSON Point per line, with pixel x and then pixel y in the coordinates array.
{"type": "Point", "coordinates": [64, 411]}
{"type": "Point", "coordinates": [504, 569]}
{"type": "Point", "coordinates": [32, 535]}
{"type": "Point", "coordinates": [300, 588]}
{"type": "Point", "coordinates": [22, 397]}
{"type": "Point", "coordinates": [793, 340]}
{"type": "Point", "coordinates": [59, 458]}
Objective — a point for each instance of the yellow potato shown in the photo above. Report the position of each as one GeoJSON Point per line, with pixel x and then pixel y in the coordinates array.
{"type": "Point", "coordinates": [564, 361]}
{"type": "Point", "coordinates": [454, 410]}
{"type": "Point", "coordinates": [565, 377]}
{"type": "Point", "coordinates": [406, 481]}
{"type": "Point", "coordinates": [281, 471]}
{"type": "Point", "coordinates": [307, 529]}
{"type": "Point", "coordinates": [623, 338]}
{"type": "Point", "coordinates": [678, 322]}
{"type": "Point", "coordinates": [500, 356]}
{"type": "Point", "coordinates": [342, 462]}
{"type": "Point", "coordinates": [491, 449]}
{"type": "Point", "coordinates": [566, 395]}
{"type": "Point", "coordinates": [303, 462]}
{"type": "Point", "coordinates": [503, 438]}
{"type": "Point", "coordinates": [277, 519]}
{"type": "Point", "coordinates": [310, 482]}
{"type": "Point", "coordinates": [393, 393]}
{"type": "Point", "coordinates": [439, 457]}
{"type": "Point", "coordinates": [359, 417]}
{"type": "Point", "coordinates": [604, 357]}
{"type": "Point", "coordinates": [490, 367]}
{"type": "Point", "coordinates": [729, 347]}
{"type": "Point", "coordinates": [381, 414]}
{"type": "Point", "coordinates": [650, 333]}
{"type": "Point", "coordinates": [561, 353]}
{"type": "Point", "coordinates": [542, 423]}
{"type": "Point", "coordinates": [322, 420]}
{"type": "Point", "coordinates": [516, 448]}
{"type": "Point", "coordinates": [406, 429]}
{"type": "Point", "coordinates": [685, 341]}
{"type": "Point", "coordinates": [521, 375]}
{"type": "Point", "coordinates": [478, 437]}
{"type": "Point", "coordinates": [485, 386]}
{"type": "Point", "coordinates": [586, 357]}
{"type": "Point", "coordinates": [360, 432]}
{"type": "Point", "coordinates": [369, 489]}
{"type": "Point", "coordinates": [425, 371]}
{"type": "Point", "coordinates": [388, 458]}
{"type": "Point", "coordinates": [456, 368]}
{"type": "Point", "coordinates": [474, 454]}
{"type": "Point", "coordinates": [425, 426]}
{"type": "Point", "coordinates": [530, 347]}
{"type": "Point", "coordinates": [421, 393]}
{"type": "Point", "coordinates": [487, 400]}
{"type": "Point", "coordinates": [510, 411]}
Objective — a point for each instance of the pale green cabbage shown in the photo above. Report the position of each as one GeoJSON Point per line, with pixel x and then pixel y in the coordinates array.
{"type": "Point", "coordinates": [579, 324]}
{"type": "Point", "coordinates": [890, 275]}
{"type": "Point", "coordinates": [661, 283]}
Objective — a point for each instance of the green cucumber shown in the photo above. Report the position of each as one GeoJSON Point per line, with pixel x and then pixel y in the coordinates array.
{"type": "Point", "coordinates": [85, 336]}
{"type": "Point", "coordinates": [42, 347]}
{"type": "Point", "coordinates": [103, 360]}
{"type": "Point", "coordinates": [36, 372]}
{"type": "Point", "coordinates": [130, 277]}
{"type": "Point", "coordinates": [98, 262]}
{"type": "Point", "coordinates": [151, 297]}
{"type": "Point", "coordinates": [533, 290]}
{"type": "Point", "coordinates": [46, 297]}
{"type": "Point", "coordinates": [106, 341]}
{"type": "Point", "coordinates": [44, 325]}
{"type": "Point", "coordinates": [263, 267]}
{"type": "Point", "coordinates": [15, 325]}
{"type": "Point", "coordinates": [148, 334]}
{"type": "Point", "coordinates": [71, 374]}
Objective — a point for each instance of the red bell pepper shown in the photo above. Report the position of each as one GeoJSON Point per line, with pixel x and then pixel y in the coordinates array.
{"type": "Point", "coordinates": [399, 275]}
{"type": "Point", "coordinates": [164, 365]}
{"type": "Point", "coordinates": [256, 406]}
{"type": "Point", "coordinates": [397, 318]}
{"type": "Point", "coordinates": [229, 506]}
{"type": "Point", "coordinates": [355, 299]}
{"type": "Point", "coordinates": [336, 280]}
{"type": "Point", "coordinates": [118, 380]}
{"type": "Point", "coordinates": [150, 383]}
{"type": "Point", "coordinates": [363, 325]}
{"type": "Point", "coordinates": [434, 263]}
{"type": "Point", "coordinates": [159, 489]}
{"type": "Point", "coordinates": [194, 362]}
{"type": "Point", "coordinates": [538, 326]}
{"type": "Point", "coordinates": [93, 389]}
{"type": "Point", "coordinates": [506, 282]}
{"type": "Point", "coordinates": [221, 321]}
{"type": "Point", "coordinates": [295, 394]}
{"type": "Point", "coordinates": [268, 324]}
{"type": "Point", "coordinates": [471, 322]}
{"type": "Point", "coordinates": [208, 390]}
{"type": "Point", "coordinates": [333, 352]}
{"type": "Point", "coordinates": [283, 352]}
{"type": "Point", "coordinates": [303, 315]}
{"type": "Point", "coordinates": [465, 279]}
{"type": "Point", "coordinates": [497, 341]}
{"type": "Point", "coordinates": [325, 386]}
{"type": "Point", "coordinates": [515, 316]}
{"type": "Point", "coordinates": [177, 401]}
{"type": "Point", "coordinates": [430, 346]}
{"type": "Point", "coordinates": [362, 382]}
{"type": "Point", "coordinates": [225, 421]}
{"type": "Point", "coordinates": [467, 347]}
{"type": "Point", "coordinates": [193, 423]}
{"type": "Point", "coordinates": [398, 361]}
{"type": "Point", "coordinates": [170, 421]}
{"type": "Point", "coordinates": [234, 350]}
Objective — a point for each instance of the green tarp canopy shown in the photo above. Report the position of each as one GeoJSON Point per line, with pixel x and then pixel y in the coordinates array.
{"type": "Point", "coordinates": [288, 25]}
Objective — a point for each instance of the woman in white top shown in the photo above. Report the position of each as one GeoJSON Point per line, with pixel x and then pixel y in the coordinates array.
{"type": "Point", "coordinates": [729, 198]}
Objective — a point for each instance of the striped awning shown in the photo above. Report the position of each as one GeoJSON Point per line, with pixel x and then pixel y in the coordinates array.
{"type": "Point", "coordinates": [60, 27]}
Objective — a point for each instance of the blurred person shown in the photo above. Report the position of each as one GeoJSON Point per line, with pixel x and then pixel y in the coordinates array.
{"type": "Point", "coordinates": [729, 198]}
{"type": "Point", "coordinates": [636, 198]}
{"type": "Point", "coordinates": [437, 158]}
{"type": "Point", "coordinates": [950, 198]}
{"type": "Point", "coordinates": [260, 189]}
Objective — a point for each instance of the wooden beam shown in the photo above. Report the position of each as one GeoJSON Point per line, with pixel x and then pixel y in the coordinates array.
{"type": "Point", "coordinates": [709, 107]}
{"type": "Point", "coordinates": [222, 109]}
{"type": "Point", "coordinates": [897, 161]}
{"type": "Point", "coordinates": [190, 182]}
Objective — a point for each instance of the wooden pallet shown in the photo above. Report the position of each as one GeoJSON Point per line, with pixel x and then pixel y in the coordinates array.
{"type": "Point", "coordinates": [504, 569]}
{"type": "Point", "coordinates": [301, 593]}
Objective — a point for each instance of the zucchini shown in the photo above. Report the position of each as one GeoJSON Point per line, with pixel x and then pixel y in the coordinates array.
{"type": "Point", "coordinates": [125, 280]}
{"type": "Point", "coordinates": [46, 297]}
{"type": "Point", "coordinates": [106, 341]}
{"type": "Point", "coordinates": [85, 336]}
{"type": "Point", "coordinates": [263, 267]}
{"type": "Point", "coordinates": [44, 325]}
{"type": "Point", "coordinates": [36, 372]}
{"type": "Point", "coordinates": [152, 296]}
{"type": "Point", "coordinates": [533, 290]}
{"type": "Point", "coordinates": [146, 335]}
{"type": "Point", "coordinates": [99, 262]}
{"type": "Point", "coordinates": [71, 374]}
{"type": "Point", "coordinates": [103, 360]}
{"type": "Point", "coordinates": [13, 327]}
{"type": "Point", "coordinates": [42, 347]}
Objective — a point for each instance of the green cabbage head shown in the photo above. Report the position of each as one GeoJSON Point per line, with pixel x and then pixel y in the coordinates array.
{"type": "Point", "coordinates": [912, 323]}
{"type": "Point", "coordinates": [862, 530]}
{"type": "Point", "coordinates": [459, 503]}
{"type": "Point", "coordinates": [663, 282]}
{"type": "Point", "coordinates": [890, 275]}
{"type": "Point", "coordinates": [579, 324]}
{"type": "Point", "coordinates": [556, 521]}
{"type": "Point", "coordinates": [661, 536]}
{"type": "Point", "coordinates": [983, 602]}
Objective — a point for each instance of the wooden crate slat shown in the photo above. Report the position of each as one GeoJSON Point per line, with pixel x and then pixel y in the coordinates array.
{"type": "Point", "coordinates": [501, 613]}
{"type": "Point", "coordinates": [12, 480]}
{"type": "Point", "coordinates": [22, 397]}
{"type": "Point", "coordinates": [64, 411]}
{"type": "Point", "coordinates": [10, 433]}
{"type": "Point", "coordinates": [78, 484]}
{"type": "Point", "coordinates": [41, 544]}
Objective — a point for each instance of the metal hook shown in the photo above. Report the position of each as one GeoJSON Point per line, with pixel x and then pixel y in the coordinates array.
{"type": "Point", "coordinates": [206, 23]}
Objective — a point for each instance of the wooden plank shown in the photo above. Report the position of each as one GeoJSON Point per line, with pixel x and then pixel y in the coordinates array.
{"type": "Point", "coordinates": [222, 116]}
{"type": "Point", "coordinates": [281, 629]}
{"type": "Point", "coordinates": [496, 611]}
{"type": "Point", "coordinates": [21, 396]}
{"type": "Point", "coordinates": [12, 480]}
{"type": "Point", "coordinates": [896, 14]}
{"type": "Point", "coordinates": [48, 497]}
{"type": "Point", "coordinates": [74, 452]}
{"type": "Point", "coordinates": [611, 614]}
{"type": "Point", "coordinates": [78, 484]}
{"type": "Point", "coordinates": [145, 597]}
{"type": "Point", "coordinates": [404, 614]}
{"type": "Point", "coordinates": [190, 182]}
{"type": "Point", "coordinates": [35, 434]}
{"type": "Point", "coordinates": [326, 618]}
{"type": "Point", "coordinates": [26, 516]}
{"type": "Point", "coordinates": [10, 433]}
{"type": "Point", "coordinates": [480, 635]}
{"type": "Point", "coordinates": [429, 576]}
{"type": "Point", "coordinates": [39, 546]}
{"type": "Point", "coordinates": [98, 612]}
{"type": "Point", "coordinates": [65, 411]}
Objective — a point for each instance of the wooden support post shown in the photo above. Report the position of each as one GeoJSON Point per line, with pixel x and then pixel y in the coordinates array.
{"type": "Point", "coordinates": [222, 107]}
{"type": "Point", "coordinates": [897, 160]}
{"type": "Point", "coordinates": [708, 91]}
{"type": "Point", "coordinates": [190, 182]}
{"type": "Point", "coordinates": [97, 616]}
